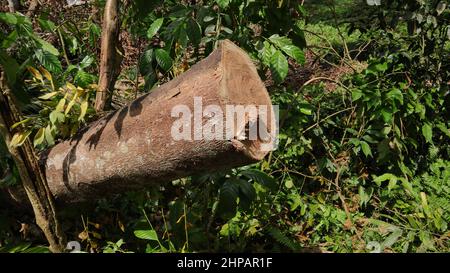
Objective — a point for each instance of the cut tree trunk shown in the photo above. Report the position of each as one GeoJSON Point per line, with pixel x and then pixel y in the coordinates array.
{"type": "Point", "coordinates": [133, 147]}
{"type": "Point", "coordinates": [110, 58]}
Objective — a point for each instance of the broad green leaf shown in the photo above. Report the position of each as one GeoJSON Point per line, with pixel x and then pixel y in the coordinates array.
{"type": "Point", "coordinates": [246, 188]}
{"type": "Point", "coordinates": [288, 183]}
{"type": "Point", "coordinates": [395, 94]}
{"type": "Point", "coordinates": [393, 238]}
{"type": "Point", "coordinates": [306, 108]}
{"type": "Point", "coordinates": [154, 27]}
{"type": "Point", "coordinates": [356, 94]}
{"type": "Point", "coordinates": [146, 235]}
{"type": "Point", "coordinates": [366, 149]}
{"type": "Point", "coordinates": [261, 178]}
{"type": "Point", "coordinates": [46, 46]}
{"type": "Point", "coordinates": [9, 40]}
{"type": "Point", "coordinates": [49, 135]}
{"type": "Point", "coordinates": [10, 66]}
{"type": "Point", "coordinates": [48, 60]}
{"type": "Point", "coordinates": [56, 117]}
{"type": "Point", "coordinates": [427, 132]}
{"type": "Point", "coordinates": [145, 63]}
{"type": "Point", "coordinates": [194, 31]}
{"type": "Point", "coordinates": [8, 18]}
{"type": "Point", "coordinates": [84, 79]}
{"type": "Point", "coordinates": [223, 3]}
{"type": "Point", "coordinates": [163, 59]}
{"type": "Point", "coordinates": [286, 45]}
{"type": "Point", "coordinates": [267, 53]}
{"type": "Point", "coordinates": [384, 177]}
{"type": "Point", "coordinates": [279, 66]}
{"type": "Point", "coordinates": [386, 114]}
{"type": "Point", "coordinates": [86, 62]}
{"type": "Point", "coordinates": [228, 195]}
{"type": "Point", "coordinates": [47, 25]}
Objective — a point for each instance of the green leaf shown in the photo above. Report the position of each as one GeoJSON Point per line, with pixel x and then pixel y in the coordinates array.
{"type": "Point", "coordinates": [145, 63]}
{"type": "Point", "coordinates": [163, 59]}
{"type": "Point", "coordinates": [223, 3]}
{"type": "Point", "coordinates": [47, 25]}
{"type": "Point", "coordinates": [395, 94]}
{"type": "Point", "coordinates": [267, 53]}
{"type": "Point", "coordinates": [194, 31]}
{"type": "Point", "coordinates": [8, 18]}
{"type": "Point", "coordinates": [86, 62]}
{"type": "Point", "coordinates": [288, 183]}
{"type": "Point", "coordinates": [48, 60]}
{"type": "Point", "coordinates": [427, 132]}
{"type": "Point", "coordinates": [261, 178]}
{"type": "Point", "coordinates": [246, 189]}
{"type": "Point", "coordinates": [49, 135]}
{"type": "Point", "coordinates": [10, 66]}
{"type": "Point", "coordinates": [154, 27]}
{"type": "Point", "coordinates": [146, 235]}
{"type": "Point", "coordinates": [46, 46]}
{"type": "Point", "coordinates": [278, 66]}
{"type": "Point", "coordinates": [83, 78]}
{"type": "Point", "coordinates": [306, 108]}
{"type": "Point", "coordinates": [386, 114]}
{"type": "Point", "coordinates": [228, 195]}
{"type": "Point", "coordinates": [356, 94]}
{"type": "Point", "coordinates": [56, 117]}
{"type": "Point", "coordinates": [286, 45]}
{"type": "Point", "coordinates": [385, 177]}
{"type": "Point", "coordinates": [366, 149]}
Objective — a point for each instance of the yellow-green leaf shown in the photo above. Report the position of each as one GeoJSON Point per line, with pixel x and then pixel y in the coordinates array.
{"type": "Point", "coordinates": [70, 105]}
{"type": "Point", "coordinates": [39, 137]}
{"type": "Point", "coordinates": [83, 106]}
{"type": "Point", "coordinates": [60, 106]}
{"type": "Point", "coordinates": [19, 138]}
{"type": "Point", "coordinates": [20, 122]}
{"type": "Point", "coordinates": [48, 95]}
{"type": "Point", "coordinates": [71, 86]}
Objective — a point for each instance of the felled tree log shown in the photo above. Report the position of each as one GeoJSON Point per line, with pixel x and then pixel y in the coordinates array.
{"type": "Point", "coordinates": [133, 148]}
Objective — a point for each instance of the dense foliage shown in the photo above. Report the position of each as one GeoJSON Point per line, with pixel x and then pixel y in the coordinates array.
{"type": "Point", "coordinates": [364, 158]}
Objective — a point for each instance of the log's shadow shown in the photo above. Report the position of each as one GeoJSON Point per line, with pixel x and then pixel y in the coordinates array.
{"type": "Point", "coordinates": [134, 109]}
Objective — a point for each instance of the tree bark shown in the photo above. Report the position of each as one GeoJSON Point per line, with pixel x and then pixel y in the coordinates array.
{"type": "Point", "coordinates": [31, 175]}
{"type": "Point", "coordinates": [110, 58]}
{"type": "Point", "coordinates": [13, 5]}
{"type": "Point", "coordinates": [132, 148]}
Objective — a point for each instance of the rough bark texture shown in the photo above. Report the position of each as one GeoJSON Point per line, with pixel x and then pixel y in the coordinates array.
{"type": "Point", "coordinates": [31, 174]}
{"type": "Point", "coordinates": [110, 58]}
{"type": "Point", "coordinates": [133, 148]}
